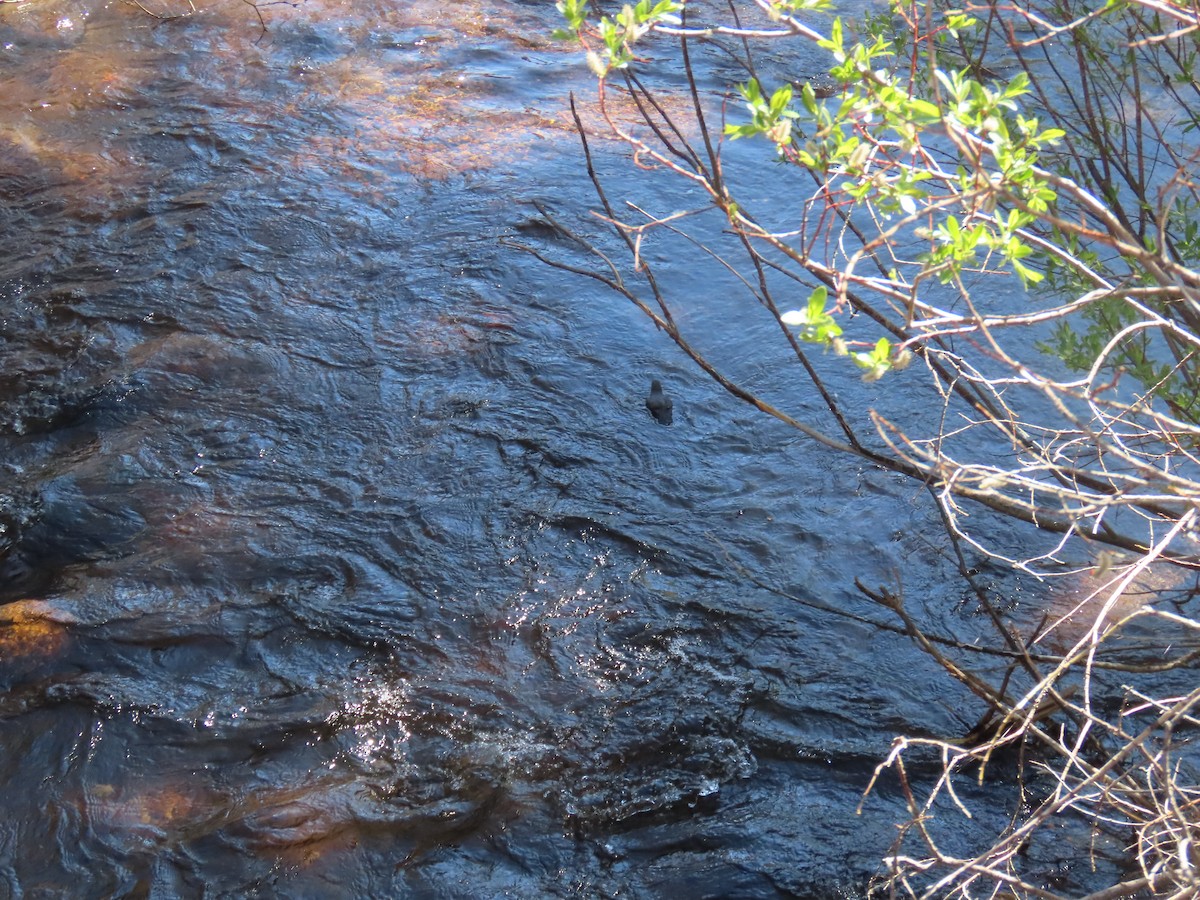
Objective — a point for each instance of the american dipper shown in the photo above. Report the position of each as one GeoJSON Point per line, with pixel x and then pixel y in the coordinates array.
{"type": "Point", "coordinates": [659, 403]}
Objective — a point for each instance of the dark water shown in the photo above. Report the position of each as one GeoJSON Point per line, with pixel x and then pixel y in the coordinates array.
{"type": "Point", "coordinates": [345, 558]}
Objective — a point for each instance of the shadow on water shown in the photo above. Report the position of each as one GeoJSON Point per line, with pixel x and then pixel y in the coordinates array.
{"type": "Point", "coordinates": [339, 554]}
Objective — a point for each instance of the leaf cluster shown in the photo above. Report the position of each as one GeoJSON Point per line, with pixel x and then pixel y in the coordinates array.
{"type": "Point", "coordinates": [618, 34]}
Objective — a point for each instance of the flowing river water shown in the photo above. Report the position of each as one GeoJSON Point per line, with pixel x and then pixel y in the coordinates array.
{"type": "Point", "coordinates": [340, 557]}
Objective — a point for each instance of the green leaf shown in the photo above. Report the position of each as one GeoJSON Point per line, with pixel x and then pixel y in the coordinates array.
{"type": "Point", "coordinates": [816, 302]}
{"type": "Point", "coordinates": [876, 362]}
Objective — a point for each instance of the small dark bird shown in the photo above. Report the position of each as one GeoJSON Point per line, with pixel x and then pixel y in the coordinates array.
{"type": "Point", "coordinates": [659, 403]}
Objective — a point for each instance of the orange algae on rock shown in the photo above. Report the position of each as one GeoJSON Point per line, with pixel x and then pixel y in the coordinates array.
{"type": "Point", "coordinates": [1091, 601]}
{"type": "Point", "coordinates": [32, 631]}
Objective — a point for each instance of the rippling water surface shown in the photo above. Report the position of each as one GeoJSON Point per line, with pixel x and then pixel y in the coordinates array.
{"type": "Point", "coordinates": [340, 556]}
